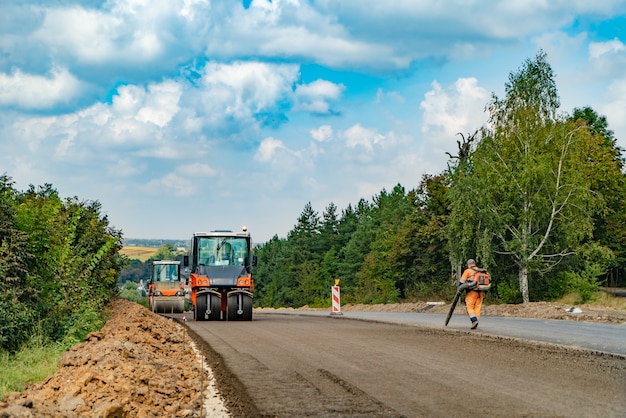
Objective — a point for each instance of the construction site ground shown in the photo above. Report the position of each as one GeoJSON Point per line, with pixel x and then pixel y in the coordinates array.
{"type": "Point", "coordinates": [145, 365]}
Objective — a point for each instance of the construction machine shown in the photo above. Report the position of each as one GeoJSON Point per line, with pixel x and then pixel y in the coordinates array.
{"type": "Point", "coordinates": [166, 292]}
{"type": "Point", "coordinates": [220, 275]}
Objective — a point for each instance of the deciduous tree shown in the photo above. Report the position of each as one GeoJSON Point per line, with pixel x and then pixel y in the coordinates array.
{"type": "Point", "coordinates": [525, 192]}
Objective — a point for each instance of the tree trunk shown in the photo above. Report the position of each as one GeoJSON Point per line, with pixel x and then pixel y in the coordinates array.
{"type": "Point", "coordinates": [523, 283]}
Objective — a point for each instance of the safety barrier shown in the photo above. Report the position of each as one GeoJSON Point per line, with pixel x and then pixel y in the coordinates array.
{"type": "Point", "coordinates": [336, 305]}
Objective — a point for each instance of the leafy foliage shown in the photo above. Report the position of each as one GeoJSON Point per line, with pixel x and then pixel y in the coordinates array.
{"type": "Point", "coordinates": [526, 191]}
{"type": "Point", "coordinates": [59, 264]}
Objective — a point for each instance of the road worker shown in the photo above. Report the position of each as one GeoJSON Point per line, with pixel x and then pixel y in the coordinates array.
{"type": "Point", "coordinates": [473, 297]}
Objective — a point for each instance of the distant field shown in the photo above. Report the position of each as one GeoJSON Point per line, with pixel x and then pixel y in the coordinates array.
{"type": "Point", "coordinates": [138, 253]}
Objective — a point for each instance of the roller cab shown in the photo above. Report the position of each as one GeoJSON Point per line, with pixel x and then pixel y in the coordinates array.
{"type": "Point", "coordinates": [220, 275]}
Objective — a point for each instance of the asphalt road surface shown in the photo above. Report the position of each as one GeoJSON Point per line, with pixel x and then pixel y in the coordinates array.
{"type": "Point", "coordinates": [280, 365]}
{"type": "Point", "coordinates": [609, 338]}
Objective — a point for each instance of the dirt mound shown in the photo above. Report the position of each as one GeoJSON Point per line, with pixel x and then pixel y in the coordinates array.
{"type": "Point", "coordinates": [139, 365]}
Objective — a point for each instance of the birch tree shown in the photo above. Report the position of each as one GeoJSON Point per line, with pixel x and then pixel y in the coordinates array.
{"type": "Point", "coordinates": [524, 192]}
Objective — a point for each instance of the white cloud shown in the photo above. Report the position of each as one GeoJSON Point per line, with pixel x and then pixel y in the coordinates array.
{"type": "Point", "coordinates": [161, 103]}
{"type": "Point", "coordinates": [599, 49]}
{"type": "Point", "coordinates": [192, 9]}
{"type": "Point", "coordinates": [314, 97]}
{"type": "Point", "coordinates": [280, 29]}
{"type": "Point", "coordinates": [137, 119]}
{"type": "Point", "coordinates": [358, 136]}
{"type": "Point", "coordinates": [249, 86]}
{"type": "Point", "coordinates": [448, 111]}
{"type": "Point", "coordinates": [457, 108]}
{"type": "Point", "coordinates": [268, 148]}
{"type": "Point", "coordinates": [37, 92]}
{"type": "Point", "coordinates": [321, 134]}
{"type": "Point", "coordinates": [231, 96]}
{"type": "Point", "coordinates": [608, 59]}
{"type": "Point", "coordinates": [96, 37]}
{"type": "Point", "coordinates": [560, 46]}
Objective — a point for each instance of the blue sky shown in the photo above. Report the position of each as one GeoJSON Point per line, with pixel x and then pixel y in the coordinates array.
{"type": "Point", "coordinates": [181, 116]}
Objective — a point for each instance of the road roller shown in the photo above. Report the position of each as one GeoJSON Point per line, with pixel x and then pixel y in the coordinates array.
{"type": "Point", "coordinates": [220, 275]}
{"type": "Point", "coordinates": [166, 291]}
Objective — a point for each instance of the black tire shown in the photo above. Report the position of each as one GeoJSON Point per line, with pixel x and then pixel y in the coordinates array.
{"type": "Point", "coordinates": [231, 308]}
{"type": "Point", "coordinates": [216, 308]}
{"type": "Point", "coordinates": [200, 308]}
{"type": "Point", "coordinates": [247, 308]}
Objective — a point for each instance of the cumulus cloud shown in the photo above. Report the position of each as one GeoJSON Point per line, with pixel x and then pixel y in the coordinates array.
{"type": "Point", "coordinates": [96, 37]}
{"type": "Point", "coordinates": [268, 148]}
{"type": "Point", "coordinates": [160, 104]}
{"type": "Point", "coordinates": [314, 97]}
{"type": "Point", "coordinates": [29, 91]}
{"type": "Point", "coordinates": [599, 49]}
{"type": "Point", "coordinates": [281, 29]}
{"type": "Point", "coordinates": [321, 134]}
{"type": "Point", "coordinates": [359, 137]}
{"type": "Point", "coordinates": [248, 87]}
{"type": "Point", "coordinates": [156, 120]}
{"type": "Point", "coordinates": [608, 59]}
{"type": "Point", "coordinates": [456, 108]}
{"type": "Point", "coordinates": [448, 111]}
{"type": "Point", "coordinates": [138, 119]}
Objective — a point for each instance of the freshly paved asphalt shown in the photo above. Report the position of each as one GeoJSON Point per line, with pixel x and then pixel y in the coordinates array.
{"type": "Point", "coordinates": [601, 337]}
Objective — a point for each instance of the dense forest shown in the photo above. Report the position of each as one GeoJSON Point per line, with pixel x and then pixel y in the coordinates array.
{"type": "Point", "coordinates": [59, 265]}
{"type": "Point", "coordinates": [538, 197]}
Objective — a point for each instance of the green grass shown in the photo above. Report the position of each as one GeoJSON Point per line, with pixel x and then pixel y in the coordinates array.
{"type": "Point", "coordinates": [35, 362]}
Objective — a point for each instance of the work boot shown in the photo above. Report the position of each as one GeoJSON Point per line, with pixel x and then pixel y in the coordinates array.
{"type": "Point", "coordinates": [475, 325]}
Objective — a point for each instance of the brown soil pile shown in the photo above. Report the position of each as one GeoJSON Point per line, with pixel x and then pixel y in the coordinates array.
{"type": "Point", "coordinates": [139, 365]}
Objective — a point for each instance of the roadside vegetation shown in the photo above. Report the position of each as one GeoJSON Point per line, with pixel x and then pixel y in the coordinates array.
{"type": "Point", "coordinates": [33, 362]}
{"type": "Point", "coordinates": [59, 264]}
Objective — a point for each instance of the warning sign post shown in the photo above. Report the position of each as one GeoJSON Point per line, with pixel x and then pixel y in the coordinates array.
{"type": "Point", "coordinates": [336, 305]}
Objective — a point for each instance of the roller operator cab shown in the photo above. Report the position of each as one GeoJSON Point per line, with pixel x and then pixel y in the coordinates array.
{"type": "Point", "coordinates": [220, 275]}
{"type": "Point", "coordinates": [166, 292]}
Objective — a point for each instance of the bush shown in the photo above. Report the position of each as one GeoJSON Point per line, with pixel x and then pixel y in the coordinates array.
{"type": "Point", "coordinates": [131, 292]}
{"type": "Point", "coordinates": [508, 291]}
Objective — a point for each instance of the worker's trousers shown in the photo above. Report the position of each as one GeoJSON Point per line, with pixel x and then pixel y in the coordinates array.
{"type": "Point", "coordinates": [473, 302]}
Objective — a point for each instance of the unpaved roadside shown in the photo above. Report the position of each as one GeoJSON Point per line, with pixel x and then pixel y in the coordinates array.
{"type": "Point", "coordinates": [139, 365]}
